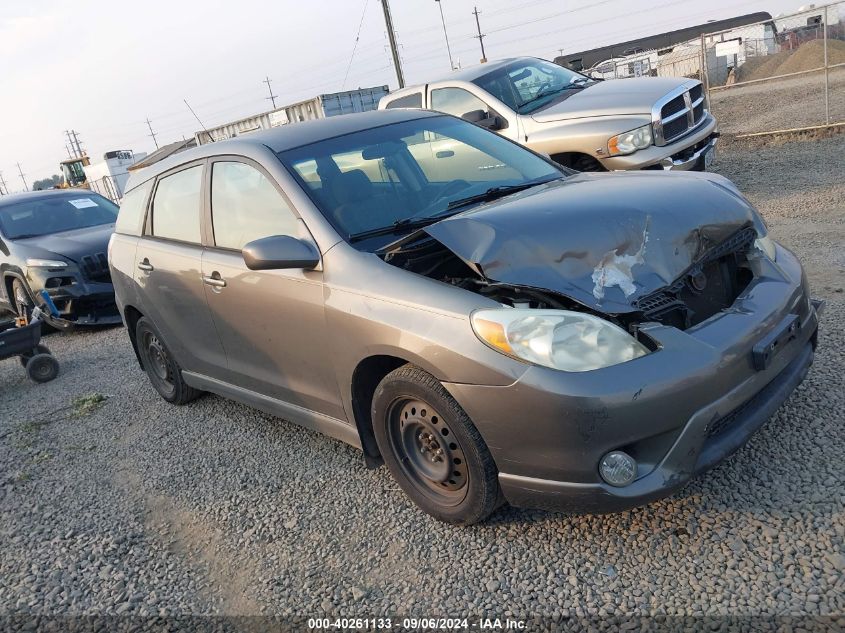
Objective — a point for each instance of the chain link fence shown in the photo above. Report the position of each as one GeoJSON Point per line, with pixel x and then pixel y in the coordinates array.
{"type": "Point", "coordinates": [776, 75]}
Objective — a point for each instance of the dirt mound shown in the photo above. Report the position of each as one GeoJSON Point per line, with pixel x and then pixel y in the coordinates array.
{"type": "Point", "coordinates": [811, 55]}
{"type": "Point", "coordinates": [761, 67]}
{"type": "Point", "coordinates": [808, 56]}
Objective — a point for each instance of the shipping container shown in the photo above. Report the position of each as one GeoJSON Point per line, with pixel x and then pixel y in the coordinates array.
{"type": "Point", "coordinates": [319, 107]}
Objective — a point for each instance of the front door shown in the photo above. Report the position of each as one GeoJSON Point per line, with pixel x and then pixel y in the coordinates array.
{"type": "Point", "coordinates": [168, 265]}
{"type": "Point", "coordinates": [272, 323]}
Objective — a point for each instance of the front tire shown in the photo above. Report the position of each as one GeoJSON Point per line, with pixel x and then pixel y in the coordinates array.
{"type": "Point", "coordinates": [433, 449]}
{"type": "Point", "coordinates": [164, 372]}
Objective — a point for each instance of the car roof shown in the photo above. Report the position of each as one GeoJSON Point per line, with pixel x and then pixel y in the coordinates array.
{"type": "Point", "coordinates": [47, 193]}
{"type": "Point", "coordinates": [285, 137]}
{"type": "Point", "coordinates": [470, 74]}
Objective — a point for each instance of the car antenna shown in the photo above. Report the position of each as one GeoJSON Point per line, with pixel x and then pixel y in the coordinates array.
{"type": "Point", "coordinates": [204, 129]}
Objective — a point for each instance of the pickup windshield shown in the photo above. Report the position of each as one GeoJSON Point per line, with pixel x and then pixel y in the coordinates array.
{"type": "Point", "coordinates": [387, 181]}
{"type": "Point", "coordinates": [44, 215]}
{"type": "Point", "coordinates": [528, 85]}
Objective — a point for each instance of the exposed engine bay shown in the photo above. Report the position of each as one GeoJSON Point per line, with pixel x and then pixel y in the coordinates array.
{"type": "Point", "coordinates": [711, 284]}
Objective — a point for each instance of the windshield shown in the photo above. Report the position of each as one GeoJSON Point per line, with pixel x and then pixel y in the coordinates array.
{"type": "Point", "coordinates": [397, 176]}
{"type": "Point", "coordinates": [55, 214]}
{"type": "Point", "coordinates": [528, 85]}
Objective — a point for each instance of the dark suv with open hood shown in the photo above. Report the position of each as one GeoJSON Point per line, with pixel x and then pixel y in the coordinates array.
{"type": "Point", "coordinates": [57, 241]}
{"type": "Point", "coordinates": [487, 323]}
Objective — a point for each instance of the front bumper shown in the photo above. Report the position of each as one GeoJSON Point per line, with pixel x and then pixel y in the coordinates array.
{"type": "Point", "coordinates": [685, 154]}
{"type": "Point", "coordinates": [82, 302]}
{"type": "Point", "coordinates": [678, 411]}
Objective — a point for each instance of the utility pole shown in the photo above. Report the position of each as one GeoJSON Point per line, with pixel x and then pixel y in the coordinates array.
{"type": "Point", "coordinates": [20, 171]}
{"type": "Point", "coordinates": [272, 97]}
{"type": "Point", "coordinates": [391, 35]}
{"type": "Point", "coordinates": [70, 141]}
{"type": "Point", "coordinates": [446, 35]}
{"type": "Point", "coordinates": [3, 188]}
{"type": "Point", "coordinates": [480, 36]}
{"type": "Point", "coordinates": [153, 134]}
{"type": "Point", "coordinates": [79, 151]}
{"type": "Point", "coordinates": [74, 143]}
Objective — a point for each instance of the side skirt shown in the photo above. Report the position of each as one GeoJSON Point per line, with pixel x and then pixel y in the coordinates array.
{"type": "Point", "coordinates": [324, 424]}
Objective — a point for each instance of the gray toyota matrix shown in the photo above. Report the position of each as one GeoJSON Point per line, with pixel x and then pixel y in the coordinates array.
{"type": "Point", "coordinates": [489, 325]}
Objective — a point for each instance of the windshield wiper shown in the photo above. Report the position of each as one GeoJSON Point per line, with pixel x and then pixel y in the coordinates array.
{"type": "Point", "coordinates": [494, 193]}
{"type": "Point", "coordinates": [396, 227]}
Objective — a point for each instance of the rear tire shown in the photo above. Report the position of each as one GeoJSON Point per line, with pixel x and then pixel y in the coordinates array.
{"type": "Point", "coordinates": [164, 372]}
{"type": "Point", "coordinates": [433, 449]}
{"type": "Point", "coordinates": [42, 368]}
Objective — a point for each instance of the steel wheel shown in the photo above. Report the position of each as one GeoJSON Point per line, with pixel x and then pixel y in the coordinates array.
{"type": "Point", "coordinates": [428, 451]}
{"type": "Point", "coordinates": [159, 365]}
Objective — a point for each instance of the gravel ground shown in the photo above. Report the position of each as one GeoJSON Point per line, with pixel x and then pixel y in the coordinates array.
{"type": "Point", "coordinates": [779, 104]}
{"type": "Point", "coordinates": [132, 506]}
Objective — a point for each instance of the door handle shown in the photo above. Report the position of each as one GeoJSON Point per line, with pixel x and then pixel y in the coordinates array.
{"type": "Point", "coordinates": [146, 266]}
{"type": "Point", "coordinates": [214, 280]}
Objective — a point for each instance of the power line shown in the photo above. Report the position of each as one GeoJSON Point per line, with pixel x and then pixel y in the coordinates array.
{"type": "Point", "coordinates": [211, 139]}
{"type": "Point", "coordinates": [480, 36]}
{"type": "Point", "coordinates": [272, 97]}
{"type": "Point", "coordinates": [20, 171]}
{"type": "Point", "coordinates": [355, 47]}
{"type": "Point", "coordinates": [152, 134]}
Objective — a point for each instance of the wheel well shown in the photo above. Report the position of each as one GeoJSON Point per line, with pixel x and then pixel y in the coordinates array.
{"type": "Point", "coordinates": [578, 161]}
{"type": "Point", "coordinates": [131, 316]}
{"type": "Point", "coordinates": [7, 287]}
{"type": "Point", "coordinates": [366, 377]}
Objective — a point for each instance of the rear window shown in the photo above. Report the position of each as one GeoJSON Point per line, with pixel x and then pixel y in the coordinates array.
{"type": "Point", "coordinates": [131, 216]}
{"type": "Point", "coordinates": [176, 206]}
{"type": "Point", "coordinates": [408, 101]}
{"type": "Point", "coordinates": [55, 214]}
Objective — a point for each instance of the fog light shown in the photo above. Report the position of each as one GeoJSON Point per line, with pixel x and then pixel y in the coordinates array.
{"type": "Point", "coordinates": [618, 468]}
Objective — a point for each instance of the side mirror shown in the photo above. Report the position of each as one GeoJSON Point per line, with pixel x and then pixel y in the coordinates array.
{"type": "Point", "coordinates": [485, 119]}
{"type": "Point", "coordinates": [279, 252]}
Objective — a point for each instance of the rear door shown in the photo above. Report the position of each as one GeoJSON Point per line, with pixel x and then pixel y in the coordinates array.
{"type": "Point", "coordinates": [460, 100]}
{"type": "Point", "coordinates": [272, 323]}
{"type": "Point", "coordinates": [168, 271]}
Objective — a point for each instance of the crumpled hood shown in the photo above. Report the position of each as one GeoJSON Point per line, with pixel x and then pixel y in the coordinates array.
{"type": "Point", "coordinates": [604, 240]}
{"type": "Point", "coordinates": [72, 245]}
{"type": "Point", "coordinates": [612, 98]}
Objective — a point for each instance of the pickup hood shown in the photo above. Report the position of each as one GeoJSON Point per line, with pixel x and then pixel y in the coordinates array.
{"type": "Point", "coordinates": [72, 245]}
{"type": "Point", "coordinates": [611, 98]}
{"type": "Point", "coordinates": [603, 240]}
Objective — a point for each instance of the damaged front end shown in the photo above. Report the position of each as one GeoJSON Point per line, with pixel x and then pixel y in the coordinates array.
{"type": "Point", "coordinates": [628, 248]}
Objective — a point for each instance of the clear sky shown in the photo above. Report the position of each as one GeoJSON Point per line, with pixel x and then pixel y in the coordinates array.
{"type": "Point", "coordinates": [102, 67]}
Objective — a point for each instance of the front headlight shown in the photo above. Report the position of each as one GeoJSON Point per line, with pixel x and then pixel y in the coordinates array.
{"type": "Point", "coordinates": [767, 245]}
{"type": "Point", "coordinates": [33, 262]}
{"type": "Point", "coordinates": [630, 142]}
{"type": "Point", "coordinates": [560, 339]}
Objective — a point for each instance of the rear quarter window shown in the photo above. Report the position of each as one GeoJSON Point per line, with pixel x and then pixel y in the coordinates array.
{"type": "Point", "coordinates": [176, 206]}
{"type": "Point", "coordinates": [130, 219]}
{"type": "Point", "coordinates": [408, 101]}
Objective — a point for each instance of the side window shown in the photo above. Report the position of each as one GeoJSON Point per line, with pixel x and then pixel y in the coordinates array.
{"type": "Point", "coordinates": [408, 101]}
{"type": "Point", "coordinates": [176, 206]}
{"type": "Point", "coordinates": [456, 101]}
{"type": "Point", "coordinates": [245, 206]}
{"type": "Point", "coordinates": [131, 216]}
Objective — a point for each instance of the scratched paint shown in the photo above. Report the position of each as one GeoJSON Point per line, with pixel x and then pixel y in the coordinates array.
{"type": "Point", "coordinates": [617, 270]}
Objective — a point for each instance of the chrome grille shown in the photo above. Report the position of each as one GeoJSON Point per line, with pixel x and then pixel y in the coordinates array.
{"type": "Point", "coordinates": [678, 113]}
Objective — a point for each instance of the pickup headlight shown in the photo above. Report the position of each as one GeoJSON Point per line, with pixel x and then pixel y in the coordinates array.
{"type": "Point", "coordinates": [33, 262]}
{"type": "Point", "coordinates": [560, 339]}
{"type": "Point", "coordinates": [767, 245]}
{"type": "Point", "coordinates": [630, 142]}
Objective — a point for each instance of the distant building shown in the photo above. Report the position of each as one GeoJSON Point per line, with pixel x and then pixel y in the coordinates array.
{"type": "Point", "coordinates": [663, 43]}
